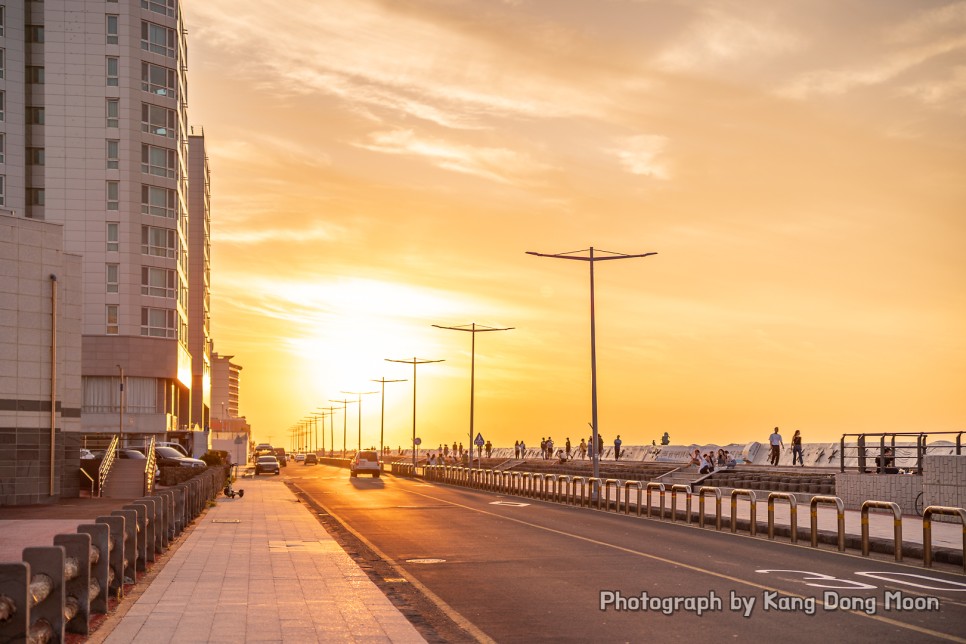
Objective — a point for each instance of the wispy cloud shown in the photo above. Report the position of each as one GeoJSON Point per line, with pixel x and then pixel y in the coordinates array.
{"type": "Point", "coordinates": [643, 154]}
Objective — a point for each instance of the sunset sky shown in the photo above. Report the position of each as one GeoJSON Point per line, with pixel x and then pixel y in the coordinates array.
{"type": "Point", "coordinates": [382, 166]}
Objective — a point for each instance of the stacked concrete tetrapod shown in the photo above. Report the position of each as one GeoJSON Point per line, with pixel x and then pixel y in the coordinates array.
{"type": "Point", "coordinates": [54, 590]}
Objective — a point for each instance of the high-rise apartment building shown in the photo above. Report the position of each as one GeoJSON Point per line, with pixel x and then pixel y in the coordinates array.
{"type": "Point", "coordinates": [94, 136]}
{"type": "Point", "coordinates": [199, 278]}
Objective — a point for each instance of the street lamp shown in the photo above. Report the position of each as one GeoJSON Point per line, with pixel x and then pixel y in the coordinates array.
{"type": "Point", "coordinates": [473, 329]}
{"type": "Point", "coordinates": [415, 361]}
{"type": "Point", "coordinates": [359, 395]}
{"type": "Point", "coordinates": [590, 259]}
{"type": "Point", "coordinates": [120, 418]}
{"type": "Point", "coordinates": [382, 417]}
{"type": "Point", "coordinates": [331, 412]}
{"type": "Point", "coordinates": [345, 415]}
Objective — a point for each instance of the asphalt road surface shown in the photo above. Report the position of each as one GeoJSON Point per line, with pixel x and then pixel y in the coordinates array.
{"type": "Point", "coordinates": [511, 569]}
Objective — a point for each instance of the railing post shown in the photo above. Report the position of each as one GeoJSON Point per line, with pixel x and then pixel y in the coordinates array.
{"type": "Point", "coordinates": [627, 496]}
{"type": "Point", "coordinates": [792, 511]}
{"type": "Point", "coordinates": [717, 505]}
{"type": "Point", "coordinates": [753, 510]}
{"type": "Point", "coordinates": [840, 509]}
{"type": "Point", "coordinates": [927, 530]}
{"type": "Point", "coordinates": [896, 523]}
{"type": "Point", "coordinates": [660, 488]}
{"type": "Point", "coordinates": [674, 501]}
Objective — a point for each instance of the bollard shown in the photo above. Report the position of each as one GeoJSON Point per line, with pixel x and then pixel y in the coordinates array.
{"type": "Point", "coordinates": [155, 525]}
{"type": "Point", "coordinates": [674, 501]}
{"type": "Point", "coordinates": [627, 496]}
{"type": "Point", "coordinates": [46, 592]}
{"type": "Point", "coordinates": [77, 581]}
{"type": "Point", "coordinates": [717, 505]}
{"type": "Point", "coordinates": [839, 508]}
{"type": "Point", "coordinates": [896, 525]}
{"type": "Point", "coordinates": [606, 494]}
{"type": "Point", "coordinates": [579, 501]}
{"type": "Point", "coordinates": [14, 605]}
{"type": "Point", "coordinates": [792, 509]}
{"type": "Point", "coordinates": [142, 534]}
{"type": "Point", "coordinates": [549, 487]}
{"type": "Point", "coordinates": [130, 544]}
{"type": "Point", "coordinates": [593, 489]}
{"type": "Point", "coordinates": [180, 493]}
{"type": "Point", "coordinates": [563, 488]}
{"type": "Point", "coordinates": [116, 554]}
{"type": "Point", "coordinates": [927, 531]}
{"type": "Point", "coordinates": [100, 536]}
{"type": "Point", "coordinates": [752, 500]}
{"type": "Point", "coordinates": [660, 488]}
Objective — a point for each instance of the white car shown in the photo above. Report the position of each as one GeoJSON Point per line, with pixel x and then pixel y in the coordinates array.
{"type": "Point", "coordinates": [365, 462]}
{"type": "Point", "coordinates": [300, 458]}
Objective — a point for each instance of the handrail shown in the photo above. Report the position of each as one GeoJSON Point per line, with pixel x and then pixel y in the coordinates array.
{"type": "Point", "coordinates": [792, 510]}
{"type": "Point", "coordinates": [920, 447]}
{"type": "Point", "coordinates": [89, 478]}
{"type": "Point", "coordinates": [717, 505]}
{"type": "Point", "coordinates": [106, 464]}
{"type": "Point", "coordinates": [840, 509]}
{"type": "Point", "coordinates": [753, 509]}
{"type": "Point", "coordinates": [896, 522]}
{"type": "Point", "coordinates": [149, 468]}
{"type": "Point", "coordinates": [927, 530]}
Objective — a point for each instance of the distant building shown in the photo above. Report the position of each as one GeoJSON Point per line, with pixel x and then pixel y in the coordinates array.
{"type": "Point", "coordinates": [225, 386]}
{"type": "Point", "coordinates": [40, 362]}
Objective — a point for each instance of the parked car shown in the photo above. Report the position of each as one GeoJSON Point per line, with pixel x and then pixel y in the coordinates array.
{"type": "Point", "coordinates": [168, 456]}
{"type": "Point", "coordinates": [86, 454]}
{"type": "Point", "coordinates": [310, 459]}
{"type": "Point", "coordinates": [177, 446]}
{"type": "Point", "coordinates": [282, 458]}
{"type": "Point", "coordinates": [365, 462]}
{"type": "Point", "coordinates": [267, 463]}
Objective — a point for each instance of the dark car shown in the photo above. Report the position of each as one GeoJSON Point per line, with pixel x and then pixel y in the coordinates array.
{"type": "Point", "coordinates": [169, 456]}
{"type": "Point", "coordinates": [311, 459]}
{"type": "Point", "coordinates": [267, 463]}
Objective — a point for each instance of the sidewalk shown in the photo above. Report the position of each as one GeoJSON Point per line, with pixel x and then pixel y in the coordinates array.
{"type": "Point", "coordinates": [258, 568]}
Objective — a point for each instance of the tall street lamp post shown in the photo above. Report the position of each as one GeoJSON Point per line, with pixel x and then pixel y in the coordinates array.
{"type": "Point", "coordinates": [382, 417]}
{"type": "Point", "coordinates": [345, 415]}
{"type": "Point", "coordinates": [415, 361]}
{"type": "Point", "coordinates": [590, 258]}
{"type": "Point", "coordinates": [331, 412]}
{"type": "Point", "coordinates": [473, 329]}
{"type": "Point", "coordinates": [359, 395]}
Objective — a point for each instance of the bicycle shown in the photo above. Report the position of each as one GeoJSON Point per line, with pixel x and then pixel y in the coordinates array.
{"type": "Point", "coordinates": [918, 504]}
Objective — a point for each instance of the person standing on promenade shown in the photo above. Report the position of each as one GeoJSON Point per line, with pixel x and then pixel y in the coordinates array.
{"type": "Point", "coordinates": [775, 440]}
{"type": "Point", "coordinates": [489, 448]}
{"type": "Point", "coordinates": [617, 448]}
{"type": "Point", "coordinates": [797, 448]}
{"type": "Point", "coordinates": [600, 445]}
{"type": "Point", "coordinates": [523, 450]}
{"type": "Point", "coordinates": [567, 445]}
{"type": "Point", "coordinates": [516, 449]}
{"type": "Point", "coordinates": [583, 449]}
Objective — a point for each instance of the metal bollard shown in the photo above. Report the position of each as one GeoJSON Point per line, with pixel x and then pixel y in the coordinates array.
{"type": "Point", "coordinates": [927, 530]}
{"type": "Point", "coordinates": [896, 525]}
{"type": "Point", "coordinates": [627, 496]}
{"type": "Point", "coordinates": [549, 487]}
{"type": "Point", "coordinates": [606, 495]}
{"type": "Point", "coordinates": [753, 500]}
{"type": "Point", "coordinates": [593, 489]}
{"type": "Point", "coordinates": [563, 488]}
{"type": "Point", "coordinates": [47, 597]}
{"type": "Point", "coordinates": [578, 500]}
{"type": "Point", "coordinates": [660, 488]}
{"type": "Point", "coordinates": [792, 509]}
{"type": "Point", "coordinates": [839, 508]}
{"type": "Point", "coordinates": [674, 501]}
{"type": "Point", "coordinates": [717, 505]}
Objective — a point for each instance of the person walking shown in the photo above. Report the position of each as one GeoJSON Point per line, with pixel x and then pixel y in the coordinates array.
{"type": "Point", "coordinates": [583, 449]}
{"type": "Point", "coordinates": [600, 445]}
{"type": "Point", "coordinates": [523, 450]}
{"type": "Point", "coordinates": [489, 448]}
{"type": "Point", "coordinates": [567, 445]}
{"type": "Point", "coordinates": [797, 448]}
{"type": "Point", "coordinates": [617, 448]}
{"type": "Point", "coordinates": [775, 440]}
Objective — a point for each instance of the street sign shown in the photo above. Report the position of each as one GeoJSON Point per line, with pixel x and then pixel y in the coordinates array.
{"type": "Point", "coordinates": [479, 440]}
{"type": "Point", "coordinates": [418, 441]}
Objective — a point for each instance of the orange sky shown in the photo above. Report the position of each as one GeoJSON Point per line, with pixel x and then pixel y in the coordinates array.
{"type": "Point", "coordinates": [382, 166]}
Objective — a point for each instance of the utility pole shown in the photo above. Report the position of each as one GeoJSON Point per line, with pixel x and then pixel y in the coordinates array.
{"type": "Point", "coordinates": [345, 415]}
{"type": "Point", "coordinates": [331, 412]}
{"type": "Point", "coordinates": [359, 395]}
{"type": "Point", "coordinates": [473, 329]}
{"type": "Point", "coordinates": [590, 258]}
{"type": "Point", "coordinates": [415, 361]}
{"type": "Point", "coordinates": [382, 417]}
{"type": "Point", "coordinates": [120, 418]}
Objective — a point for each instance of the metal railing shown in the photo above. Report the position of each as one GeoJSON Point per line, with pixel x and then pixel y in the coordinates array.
{"type": "Point", "coordinates": [752, 510]}
{"type": "Point", "coordinates": [150, 467]}
{"type": "Point", "coordinates": [896, 523]}
{"type": "Point", "coordinates": [840, 510]}
{"type": "Point", "coordinates": [105, 469]}
{"type": "Point", "coordinates": [792, 511]}
{"type": "Point", "coordinates": [905, 455]}
{"type": "Point", "coordinates": [674, 501]}
{"type": "Point", "coordinates": [716, 491]}
{"type": "Point", "coordinates": [927, 530]}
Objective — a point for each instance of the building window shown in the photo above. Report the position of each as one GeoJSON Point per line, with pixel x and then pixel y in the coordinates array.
{"type": "Point", "coordinates": [3, 18]}
{"type": "Point", "coordinates": [35, 156]}
{"type": "Point", "coordinates": [113, 111]}
{"type": "Point", "coordinates": [161, 162]}
{"type": "Point", "coordinates": [165, 7]}
{"type": "Point", "coordinates": [34, 74]}
{"type": "Point", "coordinates": [35, 116]}
{"type": "Point", "coordinates": [113, 195]}
{"type": "Point", "coordinates": [35, 33]}
{"type": "Point", "coordinates": [113, 152]}
{"type": "Point", "coordinates": [113, 273]}
{"type": "Point", "coordinates": [3, 147]}
{"type": "Point", "coordinates": [158, 323]}
{"type": "Point", "coordinates": [159, 80]}
{"type": "Point", "coordinates": [157, 39]}
{"type": "Point", "coordinates": [113, 235]}
{"type": "Point", "coordinates": [3, 59]}
{"type": "Point", "coordinates": [113, 71]}
{"type": "Point", "coordinates": [158, 282]}
{"type": "Point", "coordinates": [3, 103]}
{"type": "Point", "coordinates": [112, 319]}
{"type": "Point", "coordinates": [111, 29]}
{"type": "Point", "coordinates": [3, 183]}
{"type": "Point", "coordinates": [158, 120]}
{"type": "Point", "coordinates": [35, 197]}
{"type": "Point", "coordinates": [162, 202]}
{"type": "Point", "coordinates": [159, 242]}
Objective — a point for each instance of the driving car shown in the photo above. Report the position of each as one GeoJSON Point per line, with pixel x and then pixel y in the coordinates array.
{"type": "Point", "coordinates": [299, 457]}
{"type": "Point", "coordinates": [365, 462]}
{"type": "Point", "coordinates": [267, 463]}
{"type": "Point", "coordinates": [170, 456]}
{"type": "Point", "coordinates": [310, 459]}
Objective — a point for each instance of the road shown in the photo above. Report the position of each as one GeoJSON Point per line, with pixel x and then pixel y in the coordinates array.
{"type": "Point", "coordinates": [514, 569]}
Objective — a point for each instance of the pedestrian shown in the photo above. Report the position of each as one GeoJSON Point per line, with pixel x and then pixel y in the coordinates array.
{"type": "Point", "coordinates": [549, 447]}
{"type": "Point", "coordinates": [516, 449]}
{"type": "Point", "coordinates": [695, 458]}
{"type": "Point", "coordinates": [707, 465]}
{"type": "Point", "coordinates": [461, 450]}
{"type": "Point", "coordinates": [489, 448]}
{"type": "Point", "coordinates": [797, 448]}
{"type": "Point", "coordinates": [567, 445]}
{"type": "Point", "coordinates": [775, 440]}
{"type": "Point", "coordinates": [523, 450]}
{"type": "Point", "coordinates": [583, 449]}
{"type": "Point", "coordinates": [543, 447]}
{"type": "Point", "coordinates": [600, 444]}
{"type": "Point", "coordinates": [617, 448]}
